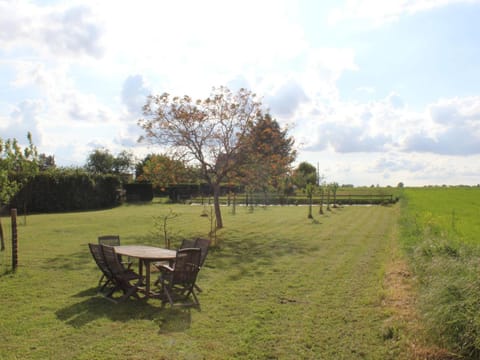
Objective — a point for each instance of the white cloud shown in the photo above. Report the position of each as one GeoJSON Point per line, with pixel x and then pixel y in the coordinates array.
{"type": "Point", "coordinates": [134, 93]}
{"type": "Point", "coordinates": [61, 31]}
{"type": "Point", "coordinates": [286, 99]}
{"type": "Point", "coordinates": [83, 71]}
{"type": "Point", "coordinates": [378, 12]}
{"type": "Point", "coordinates": [324, 66]}
{"type": "Point", "coordinates": [24, 118]}
{"type": "Point", "coordinates": [456, 131]}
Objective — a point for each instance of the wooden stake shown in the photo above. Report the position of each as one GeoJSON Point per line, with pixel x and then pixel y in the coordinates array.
{"type": "Point", "coordinates": [13, 215]}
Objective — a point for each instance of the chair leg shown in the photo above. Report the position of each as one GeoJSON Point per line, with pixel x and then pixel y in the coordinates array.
{"type": "Point", "coordinates": [100, 281]}
{"type": "Point", "coordinates": [131, 291]}
{"type": "Point", "coordinates": [107, 282]}
{"type": "Point", "coordinates": [195, 298]}
{"type": "Point", "coordinates": [169, 297]}
{"type": "Point", "coordinates": [110, 293]}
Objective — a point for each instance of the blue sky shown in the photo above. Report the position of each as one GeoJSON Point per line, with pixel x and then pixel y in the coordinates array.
{"type": "Point", "coordinates": [374, 92]}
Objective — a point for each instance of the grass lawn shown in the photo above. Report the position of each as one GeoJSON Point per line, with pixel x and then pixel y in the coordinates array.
{"type": "Point", "coordinates": [277, 286]}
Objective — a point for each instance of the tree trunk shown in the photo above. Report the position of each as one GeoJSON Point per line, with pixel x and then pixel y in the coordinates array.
{"type": "Point", "coordinates": [320, 211]}
{"type": "Point", "coordinates": [328, 200]}
{"type": "Point", "coordinates": [2, 239]}
{"type": "Point", "coordinates": [216, 205]}
{"type": "Point", "coordinates": [310, 196]}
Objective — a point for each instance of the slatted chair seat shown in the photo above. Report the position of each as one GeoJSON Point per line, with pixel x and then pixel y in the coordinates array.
{"type": "Point", "coordinates": [178, 281]}
{"type": "Point", "coordinates": [203, 245]}
{"type": "Point", "coordinates": [114, 240]}
{"type": "Point", "coordinates": [107, 277]}
{"type": "Point", "coordinates": [122, 277]}
{"type": "Point", "coordinates": [186, 243]}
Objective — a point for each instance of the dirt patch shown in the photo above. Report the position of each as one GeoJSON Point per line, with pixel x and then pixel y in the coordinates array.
{"type": "Point", "coordinates": [403, 322]}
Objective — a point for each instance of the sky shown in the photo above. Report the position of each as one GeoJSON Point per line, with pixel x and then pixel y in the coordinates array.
{"type": "Point", "coordinates": [374, 92]}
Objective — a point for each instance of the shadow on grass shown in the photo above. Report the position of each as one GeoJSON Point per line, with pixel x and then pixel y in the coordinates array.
{"type": "Point", "coordinates": [72, 261]}
{"type": "Point", "coordinates": [249, 257]}
{"type": "Point", "coordinates": [94, 306]}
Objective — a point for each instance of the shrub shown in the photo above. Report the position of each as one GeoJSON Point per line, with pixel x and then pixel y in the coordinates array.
{"type": "Point", "coordinates": [68, 190]}
{"type": "Point", "coordinates": [139, 192]}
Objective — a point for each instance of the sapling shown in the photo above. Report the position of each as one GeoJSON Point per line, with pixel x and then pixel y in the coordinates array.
{"type": "Point", "coordinates": [161, 223]}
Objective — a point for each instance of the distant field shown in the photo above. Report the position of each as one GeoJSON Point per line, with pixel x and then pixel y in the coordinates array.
{"type": "Point", "coordinates": [455, 211]}
{"type": "Point", "coordinates": [440, 229]}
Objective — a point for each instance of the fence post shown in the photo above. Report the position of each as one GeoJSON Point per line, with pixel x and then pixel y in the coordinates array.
{"type": "Point", "coordinates": [13, 215]}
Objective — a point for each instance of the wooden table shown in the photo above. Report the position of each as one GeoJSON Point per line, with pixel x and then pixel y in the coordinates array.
{"type": "Point", "coordinates": [145, 255]}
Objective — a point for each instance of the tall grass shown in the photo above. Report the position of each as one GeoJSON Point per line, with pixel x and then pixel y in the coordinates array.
{"type": "Point", "coordinates": [441, 233]}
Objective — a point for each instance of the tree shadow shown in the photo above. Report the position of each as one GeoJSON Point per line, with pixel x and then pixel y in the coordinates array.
{"type": "Point", "coordinates": [249, 257]}
{"type": "Point", "coordinates": [72, 261]}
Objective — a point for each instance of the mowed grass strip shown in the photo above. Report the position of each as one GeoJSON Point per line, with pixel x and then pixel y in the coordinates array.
{"type": "Point", "coordinates": [277, 286]}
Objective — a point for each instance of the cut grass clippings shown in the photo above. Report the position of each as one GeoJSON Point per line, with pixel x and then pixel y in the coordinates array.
{"type": "Point", "coordinates": [277, 286]}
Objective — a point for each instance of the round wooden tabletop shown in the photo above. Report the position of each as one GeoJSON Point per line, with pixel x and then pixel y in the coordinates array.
{"type": "Point", "coordinates": [145, 252]}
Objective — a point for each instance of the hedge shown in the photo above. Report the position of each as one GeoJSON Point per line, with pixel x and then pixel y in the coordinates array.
{"type": "Point", "coordinates": [60, 191]}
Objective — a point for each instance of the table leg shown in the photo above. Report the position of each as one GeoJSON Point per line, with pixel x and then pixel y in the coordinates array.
{"type": "Point", "coordinates": [147, 278]}
{"type": "Point", "coordinates": [140, 267]}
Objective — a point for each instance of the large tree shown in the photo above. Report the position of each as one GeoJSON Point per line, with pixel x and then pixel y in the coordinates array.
{"type": "Point", "coordinates": [162, 171]}
{"type": "Point", "coordinates": [101, 161]}
{"type": "Point", "coordinates": [269, 154]}
{"type": "Point", "coordinates": [205, 131]}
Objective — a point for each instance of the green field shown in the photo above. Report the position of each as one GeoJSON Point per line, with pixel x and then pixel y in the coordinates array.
{"type": "Point", "coordinates": [440, 231]}
{"type": "Point", "coordinates": [452, 211]}
{"type": "Point", "coordinates": [277, 285]}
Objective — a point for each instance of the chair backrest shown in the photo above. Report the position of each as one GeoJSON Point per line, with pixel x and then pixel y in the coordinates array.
{"type": "Point", "coordinates": [111, 240]}
{"type": "Point", "coordinates": [97, 253]}
{"type": "Point", "coordinates": [203, 245]}
{"type": "Point", "coordinates": [187, 265]}
{"type": "Point", "coordinates": [187, 243]}
{"type": "Point", "coordinates": [111, 259]}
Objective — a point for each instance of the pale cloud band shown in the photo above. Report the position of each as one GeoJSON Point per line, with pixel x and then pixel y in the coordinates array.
{"type": "Point", "coordinates": [78, 73]}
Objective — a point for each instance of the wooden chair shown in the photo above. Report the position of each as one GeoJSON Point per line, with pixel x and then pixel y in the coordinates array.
{"type": "Point", "coordinates": [107, 277]}
{"type": "Point", "coordinates": [121, 276]}
{"type": "Point", "coordinates": [186, 243]}
{"type": "Point", "coordinates": [110, 240]}
{"type": "Point", "coordinates": [114, 240]}
{"type": "Point", "coordinates": [178, 282]}
{"type": "Point", "coordinates": [203, 245]}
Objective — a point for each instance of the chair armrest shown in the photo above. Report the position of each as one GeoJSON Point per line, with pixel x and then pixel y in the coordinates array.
{"type": "Point", "coordinates": [164, 267]}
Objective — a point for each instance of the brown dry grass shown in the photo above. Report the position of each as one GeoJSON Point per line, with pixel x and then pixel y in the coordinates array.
{"type": "Point", "coordinates": [400, 303]}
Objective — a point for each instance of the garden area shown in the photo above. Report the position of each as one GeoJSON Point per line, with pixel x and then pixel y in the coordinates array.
{"type": "Point", "coordinates": [375, 282]}
{"type": "Point", "coordinates": [276, 285]}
